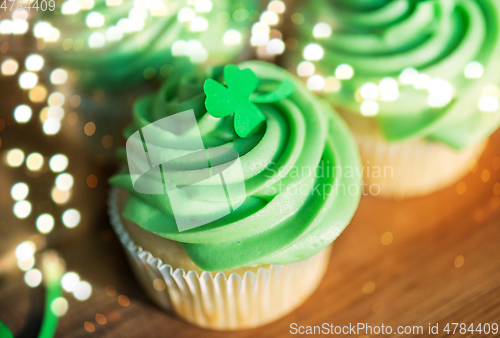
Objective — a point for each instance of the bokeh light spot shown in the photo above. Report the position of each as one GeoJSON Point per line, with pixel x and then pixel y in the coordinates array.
{"type": "Point", "coordinates": [38, 94]}
{"type": "Point", "coordinates": [19, 191]}
{"type": "Point", "coordinates": [92, 181]}
{"type": "Point", "coordinates": [60, 196]}
{"type": "Point", "coordinates": [123, 300]}
{"type": "Point", "coordinates": [72, 119]}
{"type": "Point", "coordinates": [88, 326]}
{"type": "Point", "coordinates": [485, 175]}
{"type": "Point", "coordinates": [82, 291]}
{"type": "Point", "coordinates": [459, 261]}
{"type": "Point", "coordinates": [64, 181]}
{"type": "Point", "coordinates": [34, 161]}
{"type": "Point", "coordinates": [45, 223]}
{"type": "Point", "coordinates": [100, 319]}
{"type": "Point", "coordinates": [70, 281]}
{"type": "Point", "coordinates": [387, 238]}
{"type": "Point", "coordinates": [89, 128]}
{"type": "Point", "coordinates": [159, 284]}
{"type": "Point", "coordinates": [58, 76]}
{"type": "Point", "coordinates": [33, 278]}
{"type": "Point", "coordinates": [58, 163]}
{"type": "Point", "coordinates": [25, 250]}
{"type": "Point", "coordinates": [59, 306]}
{"type": "Point", "coordinates": [71, 218]}
{"type": "Point", "coordinates": [110, 290]}
{"type": "Point", "coordinates": [461, 188]}
{"type": "Point", "coordinates": [34, 62]}
{"type": "Point", "coordinates": [22, 209]}
{"type": "Point", "coordinates": [28, 80]}
{"type": "Point", "coordinates": [368, 287]}
{"type": "Point", "coordinates": [107, 141]}
{"type": "Point", "coordinates": [9, 67]}
{"type": "Point", "coordinates": [15, 157]}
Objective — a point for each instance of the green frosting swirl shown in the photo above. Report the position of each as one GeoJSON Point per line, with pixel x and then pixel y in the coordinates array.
{"type": "Point", "coordinates": [140, 54]}
{"type": "Point", "coordinates": [382, 38]}
{"type": "Point", "coordinates": [299, 193]}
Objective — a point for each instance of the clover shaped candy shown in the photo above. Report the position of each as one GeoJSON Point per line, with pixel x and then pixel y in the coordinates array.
{"type": "Point", "coordinates": [237, 98]}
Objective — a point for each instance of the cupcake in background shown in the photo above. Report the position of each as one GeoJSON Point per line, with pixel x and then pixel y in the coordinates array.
{"type": "Point", "coordinates": [280, 153]}
{"type": "Point", "coordinates": [417, 82]}
{"type": "Point", "coordinates": [118, 44]}
{"type": "Point", "coordinates": [113, 51]}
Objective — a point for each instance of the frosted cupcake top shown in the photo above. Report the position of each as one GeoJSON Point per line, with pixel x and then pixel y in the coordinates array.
{"type": "Point", "coordinates": [118, 43]}
{"type": "Point", "coordinates": [420, 68]}
{"type": "Point", "coordinates": [297, 198]}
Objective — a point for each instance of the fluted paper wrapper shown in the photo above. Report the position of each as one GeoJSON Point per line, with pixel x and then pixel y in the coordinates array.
{"type": "Point", "coordinates": [219, 302]}
{"type": "Point", "coordinates": [415, 167]}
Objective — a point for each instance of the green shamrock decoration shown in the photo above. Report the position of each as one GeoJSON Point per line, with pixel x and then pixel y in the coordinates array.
{"type": "Point", "coordinates": [237, 98]}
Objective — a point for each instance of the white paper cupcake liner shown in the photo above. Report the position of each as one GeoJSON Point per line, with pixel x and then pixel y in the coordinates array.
{"type": "Point", "coordinates": [419, 167]}
{"type": "Point", "coordinates": [220, 302]}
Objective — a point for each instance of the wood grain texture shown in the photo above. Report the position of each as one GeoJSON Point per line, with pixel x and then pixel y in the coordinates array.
{"type": "Point", "coordinates": [416, 281]}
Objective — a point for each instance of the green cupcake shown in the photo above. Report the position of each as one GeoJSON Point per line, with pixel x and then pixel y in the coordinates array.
{"type": "Point", "coordinates": [117, 44]}
{"type": "Point", "coordinates": [298, 167]}
{"type": "Point", "coordinates": [417, 82]}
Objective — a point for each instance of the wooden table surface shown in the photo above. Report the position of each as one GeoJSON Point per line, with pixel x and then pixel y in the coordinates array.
{"type": "Point", "coordinates": [442, 266]}
{"type": "Point", "coordinates": [415, 278]}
